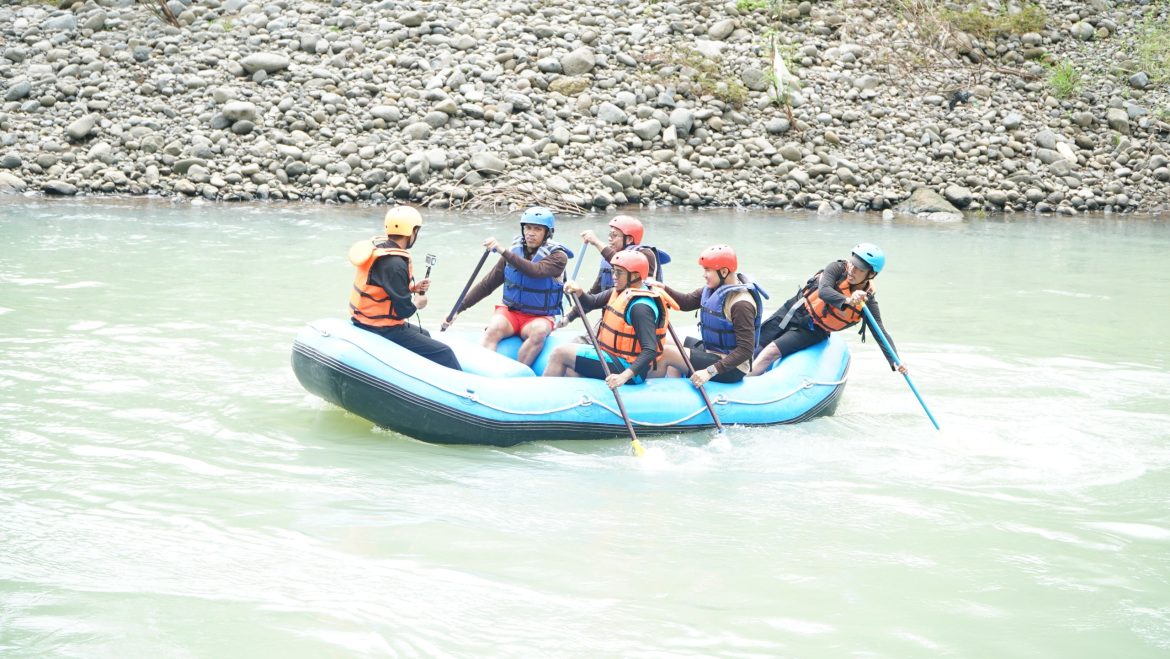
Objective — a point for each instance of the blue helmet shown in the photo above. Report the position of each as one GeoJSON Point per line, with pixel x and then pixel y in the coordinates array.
{"type": "Point", "coordinates": [871, 254]}
{"type": "Point", "coordinates": [539, 215]}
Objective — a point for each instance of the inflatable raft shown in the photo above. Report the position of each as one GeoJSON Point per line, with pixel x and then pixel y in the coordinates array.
{"type": "Point", "coordinates": [499, 401]}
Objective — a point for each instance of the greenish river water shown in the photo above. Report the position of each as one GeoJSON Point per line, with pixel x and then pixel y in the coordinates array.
{"type": "Point", "coordinates": [167, 488]}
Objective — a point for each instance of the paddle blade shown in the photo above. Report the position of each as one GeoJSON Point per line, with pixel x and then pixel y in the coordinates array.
{"type": "Point", "coordinates": [637, 449]}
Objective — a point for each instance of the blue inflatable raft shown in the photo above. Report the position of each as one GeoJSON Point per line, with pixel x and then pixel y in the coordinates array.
{"type": "Point", "coordinates": [499, 401]}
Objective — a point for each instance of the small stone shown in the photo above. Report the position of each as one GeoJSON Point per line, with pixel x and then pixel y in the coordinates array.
{"type": "Point", "coordinates": [81, 128]}
{"type": "Point", "coordinates": [1118, 120]}
{"type": "Point", "coordinates": [1082, 31]}
{"type": "Point", "coordinates": [20, 89]}
{"type": "Point", "coordinates": [721, 29]}
{"type": "Point", "coordinates": [578, 62]}
{"type": "Point", "coordinates": [266, 62]}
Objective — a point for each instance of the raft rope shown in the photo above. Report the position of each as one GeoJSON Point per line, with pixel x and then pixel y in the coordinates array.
{"type": "Point", "coordinates": [587, 401]}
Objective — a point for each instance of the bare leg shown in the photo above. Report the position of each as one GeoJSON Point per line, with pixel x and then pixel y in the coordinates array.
{"type": "Point", "coordinates": [767, 356]}
{"type": "Point", "coordinates": [560, 361]}
{"type": "Point", "coordinates": [534, 334]}
{"type": "Point", "coordinates": [670, 363]}
{"type": "Point", "coordinates": [498, 329]}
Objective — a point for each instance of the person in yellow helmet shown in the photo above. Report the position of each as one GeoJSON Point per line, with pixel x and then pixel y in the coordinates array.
{"type": "Point", "coordinates": [385, 295]}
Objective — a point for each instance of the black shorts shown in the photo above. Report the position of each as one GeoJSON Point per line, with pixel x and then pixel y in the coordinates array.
{"type": "Point", "coordinates": [588, 366]}
{"type": "Point", "coordinates": [701, 359]}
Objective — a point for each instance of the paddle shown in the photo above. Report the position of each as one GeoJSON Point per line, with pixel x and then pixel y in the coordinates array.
{"type": "Point", "coordinates": [455, 309]}
{"type": "Point", "coordinates": [580, 260]}
{"type": "Point", "coordinates": [635, 445]}
{"type": "Point", "coordinates": [691, 371]}
{"type": "Point", "coordinates": [877, 331]}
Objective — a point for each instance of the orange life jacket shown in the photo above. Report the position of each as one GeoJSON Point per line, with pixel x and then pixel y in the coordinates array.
{"type": "Point", "coordinates": [616, 336]}
{"type": "Point", "coordinates": [370, 304]}
{"type": "Point", "coordinates": [826, 316]}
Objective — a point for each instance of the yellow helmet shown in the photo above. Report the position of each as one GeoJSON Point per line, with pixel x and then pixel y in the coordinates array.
{"type": "Point", "coordinates": [402, 221]}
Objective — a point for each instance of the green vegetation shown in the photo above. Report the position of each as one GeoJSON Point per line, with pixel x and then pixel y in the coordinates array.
{"type": "Point", "coordinates": [976, 22]}
{"type": "Point", "coordinates": [700, 74]}
{"type": "Point", "coordinates": [752, 5]}
{"type": "Point", "coordinates": [1153, 49]}
{"type": "Point", "coordinates": [1064, 79]}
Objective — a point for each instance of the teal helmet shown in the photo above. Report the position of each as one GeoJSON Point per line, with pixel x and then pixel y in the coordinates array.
{"type": "Point", "coordinates": [872, 255]}
{"type": "Point", "coordinates": [541, 216]}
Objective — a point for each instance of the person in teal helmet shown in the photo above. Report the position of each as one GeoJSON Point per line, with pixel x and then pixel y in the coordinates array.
{"type": "Point", "coordinates": [531, 271]}
{"type": "Point", "coordinates": [829, 301]}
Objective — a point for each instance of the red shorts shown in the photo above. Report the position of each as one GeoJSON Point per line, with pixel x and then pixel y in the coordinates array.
{"type": "Point", "coordinates": [519, 319]}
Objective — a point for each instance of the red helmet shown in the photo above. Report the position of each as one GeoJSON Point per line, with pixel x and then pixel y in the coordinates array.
{"type": "Point", "coordinates": [629, 226]}
{"type": "Point", "coordinates": [633, 261]}
{"type": "Point", "coordinates": [719, 256]}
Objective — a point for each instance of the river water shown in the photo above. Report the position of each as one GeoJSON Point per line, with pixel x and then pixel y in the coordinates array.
{"type": "Point", "coordinates": [168, 489]}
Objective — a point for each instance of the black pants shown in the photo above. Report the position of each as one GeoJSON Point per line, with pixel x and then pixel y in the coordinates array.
{"type": "Point", "coordinates": [799, 334]}
{"type": "Point", "coordinates": [418, 341]}
{"type": "Point", "coordinates": [701, 359]}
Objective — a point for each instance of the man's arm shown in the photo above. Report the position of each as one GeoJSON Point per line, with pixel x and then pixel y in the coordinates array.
{"type": "Point", "coordinates": [686, 301]}
{"type": "Point", "coordinates": [872, 305]}
{"type": "Point", "coordinates": [827, 288]}
{"type": "Point", "coordinates": [551, 266]}
{"type": "Point", "coordinates": [484, 287]}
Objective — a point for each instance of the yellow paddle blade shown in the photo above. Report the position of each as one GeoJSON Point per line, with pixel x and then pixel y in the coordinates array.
{"type": "Point", "coordinates": [636, 446]}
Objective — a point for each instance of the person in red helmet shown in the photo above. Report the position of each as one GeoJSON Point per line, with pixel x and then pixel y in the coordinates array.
{"type": "Point", "coordinates": [829, 301]}
{"type": "Point", "coordinates": [384, 294]}
{"type": "Point", "coordinates": [731, 308]}
{"type": "Point", "coordinates": [625, 233]}
{"type": "Point", "coordinates": [631, 332]}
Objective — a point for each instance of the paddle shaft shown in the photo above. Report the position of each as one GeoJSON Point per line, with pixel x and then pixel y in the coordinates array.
{"type": "Point", "coordinates": [690, 371]}
{"type": "Point", "coordinates": [605, 369]}
{"type": "Point", "coordinates": [881, 337]}
{"type": "Point", "coordinates": [467, 287]}
{"type": "Point", "coordinates": [580, 260]}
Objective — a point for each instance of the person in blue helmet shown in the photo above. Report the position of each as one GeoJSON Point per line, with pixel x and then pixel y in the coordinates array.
{"type": "Point", "coordinates": [828, 302]}
{"type": "Point", "coordinates": [531, 271]}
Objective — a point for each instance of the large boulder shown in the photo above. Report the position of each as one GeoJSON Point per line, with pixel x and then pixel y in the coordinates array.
{"type": "Point", "coordinates": [930, 204]}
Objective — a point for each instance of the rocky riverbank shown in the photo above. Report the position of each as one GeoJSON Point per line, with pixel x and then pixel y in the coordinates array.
{"type": "Point", "coordinates": [1059, 107]}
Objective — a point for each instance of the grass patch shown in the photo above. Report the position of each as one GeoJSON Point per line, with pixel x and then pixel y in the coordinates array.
{"type": "Point", "coordinates": [747, 6]}
{"type": "Point", "coordinates": [1064, 79]}
{"type": "Point", "coordinates": [978, 23]}
{"type": "Point", "coordinates": [1153, 49]}
{"type": "Point", "coordinates": [693, 72]}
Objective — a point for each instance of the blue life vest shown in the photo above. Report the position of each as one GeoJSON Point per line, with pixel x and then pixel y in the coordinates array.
{"type": "Point", "coordinates": [536, 296]}
{"type": "Point", "coordinates": [660, 258]}
{"type": "Point", "coordinates": [716, 330]}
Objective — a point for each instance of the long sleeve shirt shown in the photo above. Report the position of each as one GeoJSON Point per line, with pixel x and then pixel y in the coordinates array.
{"type": "Point", "coordinates": [550, 266]}
{"type": "Point", "coordinates": [743, 323]}
{"type": "Point", "coordinates": [390, 272]}
{"type": "Point", "coordinates": [645, 326]}
{"type": "Point", "coordinates": [834, 273]}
